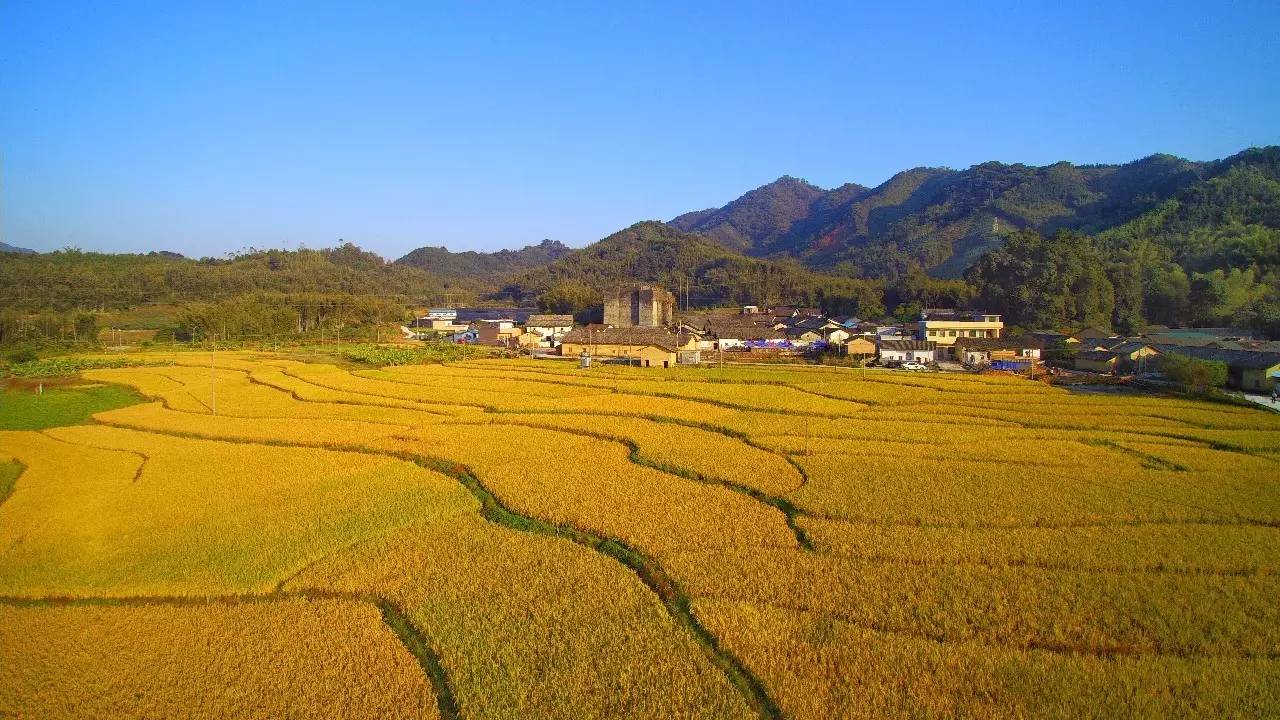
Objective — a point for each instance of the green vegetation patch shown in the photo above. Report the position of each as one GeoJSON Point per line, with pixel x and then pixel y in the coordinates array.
{"type": "Point", "coordinates": [24, 409]}
{"type": "Point", "coordinates": [62, 366]}
{"type": "Point", "coordinates": [9, 472]}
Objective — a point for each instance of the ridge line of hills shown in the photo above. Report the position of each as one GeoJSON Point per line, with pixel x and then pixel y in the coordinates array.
{"type": "Point", "coordinates": [1161, 239]}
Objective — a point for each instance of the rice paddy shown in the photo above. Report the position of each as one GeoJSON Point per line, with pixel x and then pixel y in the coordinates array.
{"type": "Point", "coordinates": [500, 538]}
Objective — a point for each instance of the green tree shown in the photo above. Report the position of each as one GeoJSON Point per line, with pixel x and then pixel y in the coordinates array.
{"type": "Point", "coordinates": [1194, 374]}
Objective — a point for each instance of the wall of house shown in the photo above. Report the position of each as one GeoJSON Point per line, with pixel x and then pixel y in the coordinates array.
{"type": "Point", "coordinates": [859, 347]}
{"type": "Point", "coordinates": [1259, 380]}
{"type": "Point", "coordinates": [656, 356]}
{"type": "Point", "coordinates": [946, 332]}
{"type": "Point", "coordinates": [1098, 366]}
{"type": "Point", "coordinates": [925, 356]}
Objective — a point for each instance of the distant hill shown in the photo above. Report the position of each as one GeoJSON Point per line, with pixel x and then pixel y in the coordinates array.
{"type": "Point", "coordinates": [72, 279]}
{"type": "Point", "coordinates": [939, 219]}
{"type": "Point", "coordinates": [754, 222]}
{"type": "Point", "coordinates": [7, 248]}
{"type": "Point", "coordinates": [1230, 219]}
{"type": "Point", "coordinates": [481, 266]}
{"type": "Point", "coordinates": [711, 274]}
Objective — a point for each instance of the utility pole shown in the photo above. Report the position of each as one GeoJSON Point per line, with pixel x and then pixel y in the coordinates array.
{"type": "Point", "coordinates": [213, 386]}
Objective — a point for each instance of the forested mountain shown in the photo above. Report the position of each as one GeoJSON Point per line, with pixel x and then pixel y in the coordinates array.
{"type": "Point", "coordinates": [754, 222]}
{"type": "Point", "coordinates": [656, 252]}
{"type": "Point", "coordinates": [1161, 240]}
{"type": "Point", "coordinates": [71, 279]}
{"type": "Point", "coordinates": [1208, 255]}
{"type": "Point", "coordinates": [7, 248]}
{"type": "Point", "coordinates": [484, 267]}
{"type": "Point", "coordinates": [938, 219]}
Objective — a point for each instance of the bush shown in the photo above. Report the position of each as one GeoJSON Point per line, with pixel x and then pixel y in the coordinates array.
{"type": "Point", "coordinates": [1192, 373]}
{"type": "Point", "coordinates": [23, 355]}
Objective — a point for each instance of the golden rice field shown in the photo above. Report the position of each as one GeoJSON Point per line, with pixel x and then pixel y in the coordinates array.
{"type": "Point", "coordinates": [268, 537]}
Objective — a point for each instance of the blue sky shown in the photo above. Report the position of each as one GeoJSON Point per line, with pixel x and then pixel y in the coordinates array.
{"type": "Point", "coordinates": [208, 127]}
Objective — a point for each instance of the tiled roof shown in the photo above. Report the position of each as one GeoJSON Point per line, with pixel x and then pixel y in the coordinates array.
{"type": "Point", "coordinates": [549, 321]}
{"type": "Point", "coordinates": [742, 331]}
{"type": "Point", "coordinates": [635, 336]}
{"type": "Point", "coordinates": [1005, 343]}
{"type": "Point", "coordinates": [1250, 359]}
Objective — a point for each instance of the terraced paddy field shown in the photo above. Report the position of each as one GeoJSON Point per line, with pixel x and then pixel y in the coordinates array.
{"type": "Point", "coordinates": [516, 539]}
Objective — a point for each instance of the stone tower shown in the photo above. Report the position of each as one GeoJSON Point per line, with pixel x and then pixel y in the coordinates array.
{"type": "Point", "coordinates": [639, 306]}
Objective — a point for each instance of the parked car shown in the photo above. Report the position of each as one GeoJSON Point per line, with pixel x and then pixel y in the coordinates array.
{"type": "Point", "coordinates": [913, 365]}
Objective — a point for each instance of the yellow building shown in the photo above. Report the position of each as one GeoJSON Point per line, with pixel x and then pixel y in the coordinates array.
{"type": "Point", "coordinates": [646, 347]}
{"type": "Point", "coordinates": [944, 327]}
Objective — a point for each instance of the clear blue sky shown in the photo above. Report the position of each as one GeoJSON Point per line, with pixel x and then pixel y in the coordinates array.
{"type": "Point", "coordinates": [208, 127]}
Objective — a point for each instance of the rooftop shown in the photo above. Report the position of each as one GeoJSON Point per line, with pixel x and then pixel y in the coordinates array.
{"type": "Point", "coordinates": [1251, 359]}
{"type": "Point", "coordinates": [549, 321]}
{"type": "Point", "coordinates": [951, 315]}
{"type": "Point", "coordinates": [634, 336]}
{"type": "Point", "coordinates": [1004, 343]}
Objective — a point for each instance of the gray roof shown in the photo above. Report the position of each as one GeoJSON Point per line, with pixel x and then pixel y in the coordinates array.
{"type": "Point", "coordinates": [1096, 355]}
{"type": "Point", "coordinates": [1181, 339]}
{"type": "Point", "coordinates": [1092, 333]}
{"type": "Point", "coordinates": [549, 321]}
{"type": "Point", "coordinates": [1004, 343]}
{"type": "Point", "coordinates": [635, 336]}
{"type": "Point", "coordinates": [1131, 346]}
{"type": "Point", "coordinates": [738, 330]}
{"type": "Point", "coordinates": [1247, 359]}
{"type": "Point", "coordinates": [812, 323]}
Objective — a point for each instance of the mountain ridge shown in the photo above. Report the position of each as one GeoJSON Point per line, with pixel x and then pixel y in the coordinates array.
{"type": "Point", "coordinates": [940, 219]}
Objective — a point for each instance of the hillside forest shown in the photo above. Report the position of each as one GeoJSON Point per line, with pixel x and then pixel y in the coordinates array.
{"type": "Point", "coordinates": [1160, 241]}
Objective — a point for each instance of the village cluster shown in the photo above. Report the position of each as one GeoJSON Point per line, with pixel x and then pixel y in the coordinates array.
{"type": "Point", "coordinates": [642, 327]}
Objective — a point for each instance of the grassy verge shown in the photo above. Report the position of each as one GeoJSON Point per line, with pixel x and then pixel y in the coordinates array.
{"type": "Point", "coordinates": [25, 409]}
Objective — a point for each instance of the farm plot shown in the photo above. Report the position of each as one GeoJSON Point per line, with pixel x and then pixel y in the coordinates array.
{"type": "Point", "coordinates": [103, 511]}
{"type": "Point", "coordinates": [625, 542]}
{"type": "Point", "coordinates": [298, 658]}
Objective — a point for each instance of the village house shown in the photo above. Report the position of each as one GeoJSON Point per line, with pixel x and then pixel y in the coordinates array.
{"type": "Point", "coordinates": [738, 335]}
{"type": "Point", "coordinates": [646, 347]}
{"type": "Point", "coordinates": [826, 330]}
{"type": "Point", "coordinates": [439, 320]}
{"type": "Point", "coordinates": [859, 347]}
{"type": "Point", "coordinates": [501, 332]}
{"type": "Point", "coordinates": [923, 351]}
{"type": "Point", "coordinates": [1134, 356]}
{"type": "Point", "coordinates": [548, 328]}
{"type": "Point", "coordinates": [944, 327]}
{"type": "Point", "coordinates": [985, 351]}
{"type": "Point", "coordinates": [1253, 371]}
{"type": "Point", "coordinates": [1096, 361]}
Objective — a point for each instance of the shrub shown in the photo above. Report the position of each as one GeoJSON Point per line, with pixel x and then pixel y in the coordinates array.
{"type": "Point", "coordinates": [1194, 374]}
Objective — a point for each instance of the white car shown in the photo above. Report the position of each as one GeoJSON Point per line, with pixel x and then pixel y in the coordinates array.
{"type": "Point", "coordinates": [913, 365]}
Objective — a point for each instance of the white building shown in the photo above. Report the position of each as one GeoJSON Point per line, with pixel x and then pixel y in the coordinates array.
{"type": "Point", "coordinates": [549, 328]}
{"type": "Point", "coordinates": [923, 351]}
